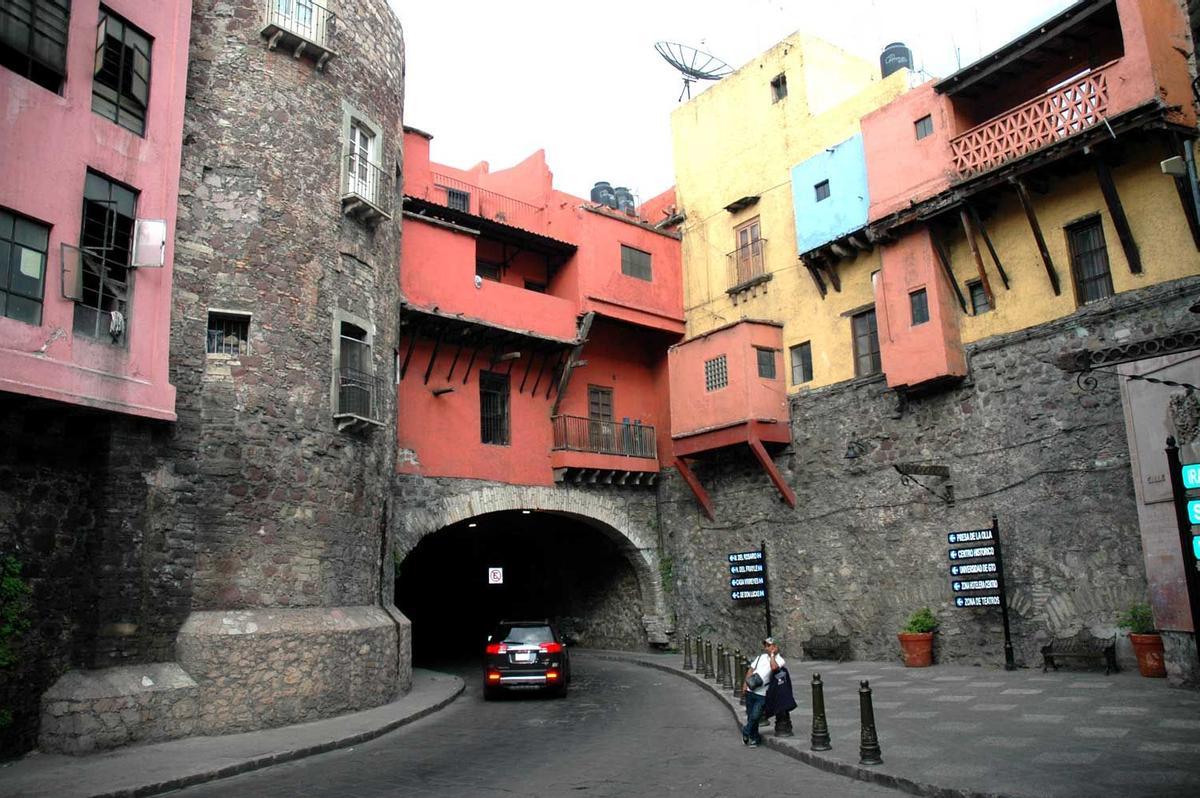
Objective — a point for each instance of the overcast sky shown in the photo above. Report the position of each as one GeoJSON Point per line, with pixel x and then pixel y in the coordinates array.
{"type": "Point", "coordinates": [494, 81]}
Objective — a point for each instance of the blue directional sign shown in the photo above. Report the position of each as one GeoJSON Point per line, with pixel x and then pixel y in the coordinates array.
{"type": "Point", "coordinates": [977, 601]}
{"type": "Point", "coordinates": [973, 536]}
{"type": "Point", "coordinates": [1191, 475]}
{"type": "Point", "coordinates": [1196, 546]}
{"type": "Point", "coordinates": [1193, 508]}
{"type": "Point", "coordinates": [745, 556]}
{"type": "Point", "coordinates": [962, 586]}
{"type": "Point", "coordinates": [747, 568]}
{"type": "Point", "coordinates": [974, 551]}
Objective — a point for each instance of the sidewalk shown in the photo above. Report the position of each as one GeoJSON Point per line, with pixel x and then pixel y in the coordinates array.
{"type": "Point", "coordinates": [152, 769]}
{"type": "Point", "coordinates": [950, 731]}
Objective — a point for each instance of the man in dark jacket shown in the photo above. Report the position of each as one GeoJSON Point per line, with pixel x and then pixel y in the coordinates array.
{"type": "Point", "coordinates": [780, 701]}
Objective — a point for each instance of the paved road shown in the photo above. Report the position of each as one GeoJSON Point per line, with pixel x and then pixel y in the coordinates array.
{"type": "Point", "coordinates": [624, 730]}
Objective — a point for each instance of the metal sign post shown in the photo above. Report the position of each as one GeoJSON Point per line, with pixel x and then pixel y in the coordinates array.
{"type": "Point", "coordinates": [766, 586]}
{"type": "Point", "coordinates": [977, 571]}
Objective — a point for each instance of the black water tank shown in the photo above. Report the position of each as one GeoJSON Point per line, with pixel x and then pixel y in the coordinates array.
{"type": "Point", "coordinates": [603, 194]}
{"type": "Point", "coordinates": [625, 200]}
{"type": "Point", "coordinates": [894, 58]}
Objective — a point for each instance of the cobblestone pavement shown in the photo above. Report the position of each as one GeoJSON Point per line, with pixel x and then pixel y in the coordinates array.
{"type": "Point", "coordinates": [959, 730]}
{"type": "Point", "coordinates": [624, 730]}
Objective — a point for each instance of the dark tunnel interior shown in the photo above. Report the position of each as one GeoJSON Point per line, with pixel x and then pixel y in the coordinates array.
{"type": "Point", "coordinates": [554, 566]}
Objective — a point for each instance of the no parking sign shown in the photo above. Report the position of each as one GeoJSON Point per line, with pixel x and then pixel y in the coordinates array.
{"type": "Point", "coordinates": [495, 576]}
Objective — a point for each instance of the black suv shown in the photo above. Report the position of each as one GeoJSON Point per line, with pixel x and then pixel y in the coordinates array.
{"type": "Point", "coordinates": [525, 655]}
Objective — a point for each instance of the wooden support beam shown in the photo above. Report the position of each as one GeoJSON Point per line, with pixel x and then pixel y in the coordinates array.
{"type": "Point", "coordinates": [706, 505]}
{"type": "Point", "coordinates": [969, 230]}
{"type": "Point", "coordinates": [841, 251]}
{"type": "Point", "coordinates": [437, 343]}
{"type": "Point", "coordinates": [550, 382]}
{"type": "Point", "coordinates": [944, 259]}
{"type": "Point", "coordinates": [859, 243]}
{"type": "Point", "coordinates": [764, 459]}
{"type": "Point", "coordinates": [445, 390]}
{"type": "Point", "coordinates": [834, 280]}
{"type": "Point", "coordinates": [815, 274]}
{"type": "Point", "coordinates": [1027, 204]}
{"type": "Point", "coordinates": [470, 363]}
{"type": "Point", "coordinates": [528, 368]}
{"type": "Point", "coordinates": [1116, 210]}
{"type": "Point", "coordinates": [987, 240]}
{"type": "Point", "coordinates": [541, 370]}
{"type": "Point", "coordinates": [564, 379]}
{"type": "Point", "coordinates": [412, 342]}
{"type": "Point", "coordinates": [457, 351]}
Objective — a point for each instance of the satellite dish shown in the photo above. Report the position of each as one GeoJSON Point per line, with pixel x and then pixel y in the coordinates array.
{"type": "Point", "coordinates": [693, 64]}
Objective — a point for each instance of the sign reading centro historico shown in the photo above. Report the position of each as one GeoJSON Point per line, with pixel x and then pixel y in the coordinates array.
{"type": "Point", "coordinates": [748, 578]}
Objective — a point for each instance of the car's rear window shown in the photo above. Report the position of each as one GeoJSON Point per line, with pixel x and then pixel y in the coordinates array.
{"type": "Point", "coordinates": [523, 635]}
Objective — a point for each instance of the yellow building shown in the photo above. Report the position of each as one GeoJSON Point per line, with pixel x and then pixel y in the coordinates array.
{"type": "Point", "coordinates": [735, 146]}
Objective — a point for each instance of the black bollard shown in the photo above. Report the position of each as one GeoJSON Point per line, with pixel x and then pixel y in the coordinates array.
{"type": "Point", "coordinates": [783, 725]}
{"type": "Point", "coordinates": [708, 663]}
{"type": "Point", "coordinates": [687, 652]}
{"type": "Point", "coordinates": [730, 666]}
{"type": "Point", "coordinates": [720, 663]}
{"type": "Point", "coordinates": [868, 750]}
{"type": "Point", "coordinates": [699, 654]}
{"type": "Point", "coordinates": [820, 727]}
{"type": "Point", "coordinates": [737, 676]}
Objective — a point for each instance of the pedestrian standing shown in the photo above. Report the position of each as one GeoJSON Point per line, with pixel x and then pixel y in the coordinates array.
{"type": "Point", "coordinates": [758, 676]}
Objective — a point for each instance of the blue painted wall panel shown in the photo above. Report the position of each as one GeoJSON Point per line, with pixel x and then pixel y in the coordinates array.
{"type": "Point", "coordinates": [845, 209]}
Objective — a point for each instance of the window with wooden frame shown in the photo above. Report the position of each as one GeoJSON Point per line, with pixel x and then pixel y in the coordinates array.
{"type": "Point", "coordinates": [766, 362]}
{"type": "Point", "coordinates": [918, 302]}
{"type": "Point", "coordinates": [802, 367]}
{"type": "Point", "coordinates": [866, 343]}
{"type": "Point", "coordinates": [1089, 260]}
{"type": "Point", "coordinates": [635, 263]}
{"type": "Point", "coordinates": [106, 238]}
{"type": "Point", "coordinates": [121, 75]}
{"type": "Point", "coordinates": [493, 408]}
{"type": "Point", "coordinates": [33, 40]}
{"type": "Point", "coordinates": [748, 256]}
{"type": "Point", "coordinates": [716, 373]}
{"type": "Point", "coordinates": [979, 298]}
{"type": "Point", "coordinates": [458, 200]}
{"type": "Point", "coordinates": [487, 270]}
{"type": "Point", "coordinates": [600, 418]}
{"type": "Point", "coordinates": [778, 87]}
{"type": "Point", "coordinates": [923, 127]}
{"type": "Point", "coordinates": [821, 190]}
{"type": "Point", "coordinates": [23, 247]}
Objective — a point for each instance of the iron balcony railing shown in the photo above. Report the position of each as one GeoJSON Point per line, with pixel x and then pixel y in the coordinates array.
{"type": "Point", "coordinates": [1048, 118]}
{"type": "Point", "coordinates": [367, 182]}
{"type": "Point", "coordinates": [307, 19]}
{"type": "Point", "coordinates": [463, 196]}
{"type": "Point", "coordinates": [627, 438]}
{"type": "Point", "coordinates": [359, 393]}
{"type": "Point", "coordinates": [747, 262]}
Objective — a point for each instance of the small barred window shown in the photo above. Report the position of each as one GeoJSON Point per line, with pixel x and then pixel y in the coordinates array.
{"type": "Point", "coordinates": [716, 373]}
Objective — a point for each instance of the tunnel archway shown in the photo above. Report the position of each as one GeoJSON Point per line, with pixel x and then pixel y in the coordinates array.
{"type": "Point", "coordinates": [575, 556]}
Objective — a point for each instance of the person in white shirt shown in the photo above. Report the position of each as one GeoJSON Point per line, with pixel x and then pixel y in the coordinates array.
{"type": "Point", "coordinates": [766, 663]}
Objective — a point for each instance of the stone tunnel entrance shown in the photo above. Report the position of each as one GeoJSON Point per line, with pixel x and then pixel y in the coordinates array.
{"type": "Point", "coordinates": [553, 566]}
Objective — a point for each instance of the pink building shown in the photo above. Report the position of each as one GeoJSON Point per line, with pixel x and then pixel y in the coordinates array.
{"type": "Point", "coordinates": [92, 140]}
{"type": "Point", "coordinates": [534, 327]}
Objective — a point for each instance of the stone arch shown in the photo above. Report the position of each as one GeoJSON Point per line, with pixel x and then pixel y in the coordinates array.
{"type": "Point", "coordinates": [610, 514]}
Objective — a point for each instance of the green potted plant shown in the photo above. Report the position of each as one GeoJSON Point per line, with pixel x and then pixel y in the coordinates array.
{"type": "Point", "coordinates": [1147, 642]}
{"type": "Point", "coordinates": [916, 639]}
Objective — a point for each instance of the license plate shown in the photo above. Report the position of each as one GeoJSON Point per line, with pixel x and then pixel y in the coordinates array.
{"type": "Point", "coordinates": [523, 656]}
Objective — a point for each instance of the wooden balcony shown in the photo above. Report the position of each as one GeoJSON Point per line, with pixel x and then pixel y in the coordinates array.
{"type": "Point", "coordinates": [1072, 108]}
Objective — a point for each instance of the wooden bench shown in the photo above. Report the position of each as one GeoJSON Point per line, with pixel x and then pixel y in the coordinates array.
{"type": "Point", "coordinates": [1083, 646]}
{"type": "Point", "coordinates": [830, 645]}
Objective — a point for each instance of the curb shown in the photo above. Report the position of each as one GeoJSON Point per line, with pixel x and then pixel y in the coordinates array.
{"type": "Point", "coordinates": [807, 757]}
{"type": "Point", "coordinates": [267, 760]}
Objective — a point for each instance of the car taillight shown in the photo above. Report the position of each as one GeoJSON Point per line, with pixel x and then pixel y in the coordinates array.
{"type": "Point", "coordinates": [493, 676]}
{"type": "Point", "coordinates": [497, 648]}
{"type": "Point", "coordinates": [551, 675]}
{"type": "Point", "coordinates": [550, 648]}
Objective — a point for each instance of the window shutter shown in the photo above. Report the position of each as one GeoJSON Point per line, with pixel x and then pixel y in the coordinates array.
{"type": "Point", "coordinates": [139, 83]}
{"type": "Point", "coordinates": [149, 243]}
{"type": "Point", "coordinates": [101, 36]}
{"type": "Point", "coordinates": [72, 272]}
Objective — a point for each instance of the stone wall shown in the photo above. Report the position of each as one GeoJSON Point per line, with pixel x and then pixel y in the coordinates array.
{"type": "Point", "coordinates": [862, 550]}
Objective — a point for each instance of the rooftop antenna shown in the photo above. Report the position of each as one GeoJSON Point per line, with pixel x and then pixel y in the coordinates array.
{"type": "Point", "coordinates": [693, 64]}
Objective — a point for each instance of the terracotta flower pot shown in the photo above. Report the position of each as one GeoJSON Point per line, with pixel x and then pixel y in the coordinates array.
{"type": "Point", "coordinates": [917, 648]}
{"type": "Point", "coordinates": [1149, 651]}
